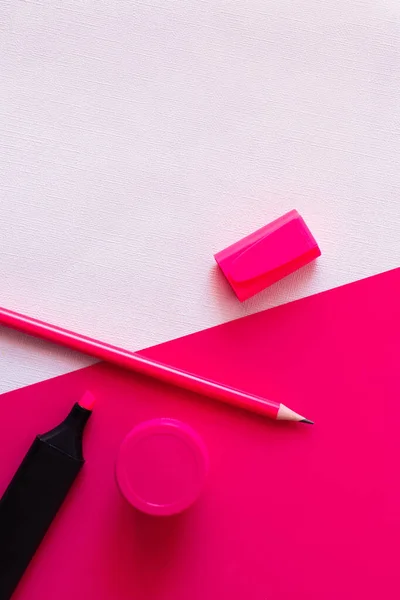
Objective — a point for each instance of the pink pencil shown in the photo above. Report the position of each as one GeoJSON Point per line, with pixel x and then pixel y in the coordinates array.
{"type": "Point", "coordinates": [145, 366]}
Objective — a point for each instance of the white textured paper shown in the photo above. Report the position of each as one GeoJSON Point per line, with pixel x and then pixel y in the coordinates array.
{"type": "Point", "coordinates": [138, 138]}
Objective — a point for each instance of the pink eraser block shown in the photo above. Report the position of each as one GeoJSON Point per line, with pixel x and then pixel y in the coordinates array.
{"type": "Point", "coordinates": [162, 466]}
{"type": "Point", "coordinates": [267, 255]}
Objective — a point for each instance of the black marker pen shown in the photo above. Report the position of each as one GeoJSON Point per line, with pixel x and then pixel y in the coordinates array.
{"type": "Point", "coordinates": [37, 491]}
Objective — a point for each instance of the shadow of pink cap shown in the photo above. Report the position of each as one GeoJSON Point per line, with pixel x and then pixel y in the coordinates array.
{"type": "Point", "coordinates": [162, 466]}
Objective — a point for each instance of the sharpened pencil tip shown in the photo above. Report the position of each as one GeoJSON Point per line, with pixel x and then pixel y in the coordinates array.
{"type": "Point", "coordinates": [307, 421]}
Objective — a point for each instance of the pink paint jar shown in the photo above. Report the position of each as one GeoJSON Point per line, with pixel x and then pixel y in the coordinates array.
{"type": "Point", "coordinates": [161, 467]}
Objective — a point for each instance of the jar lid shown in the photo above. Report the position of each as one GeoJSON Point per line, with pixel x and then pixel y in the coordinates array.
{"type": "Point", "coordinates": [161, 466]}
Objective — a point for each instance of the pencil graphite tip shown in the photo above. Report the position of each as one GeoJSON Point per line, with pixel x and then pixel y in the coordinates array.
{"type": "Point", "coordinates": [307, 421]}
{"type": "Point", "coordinates": [87, 401]}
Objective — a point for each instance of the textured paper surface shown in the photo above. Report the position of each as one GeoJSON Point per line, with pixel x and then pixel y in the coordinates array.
{"type": "Point", "coordinates": [319, 502]}
{"type": "Point", "coordinates": [137, 139]}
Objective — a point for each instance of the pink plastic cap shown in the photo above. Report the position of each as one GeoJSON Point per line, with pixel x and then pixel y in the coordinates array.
{"type": "Point", "coordinates": [267, 255]}
{"type": "Point", "coordinates": [162, 466]}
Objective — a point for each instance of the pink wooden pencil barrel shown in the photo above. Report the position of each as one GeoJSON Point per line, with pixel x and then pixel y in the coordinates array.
{"type": "Point", "coordinates": [141, 364]}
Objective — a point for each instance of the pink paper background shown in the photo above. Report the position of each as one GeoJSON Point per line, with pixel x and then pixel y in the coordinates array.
{"type": "Point", "coordinates": [288, 512]}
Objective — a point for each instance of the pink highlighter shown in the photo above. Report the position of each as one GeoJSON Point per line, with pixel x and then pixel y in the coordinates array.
{"type": "Point", "coordinates": [161, 467]}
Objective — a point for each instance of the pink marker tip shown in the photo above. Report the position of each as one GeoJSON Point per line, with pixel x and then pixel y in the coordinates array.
{"type": "Point", "coordinates": [87, 401]}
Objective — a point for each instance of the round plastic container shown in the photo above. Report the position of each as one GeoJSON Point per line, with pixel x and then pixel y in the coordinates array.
{"type": "Point", "coordinates": [162, 466]}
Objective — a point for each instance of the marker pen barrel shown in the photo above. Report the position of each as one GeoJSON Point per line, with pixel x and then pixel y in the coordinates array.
{"type": "Point", "coordinates": [37, 491]}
